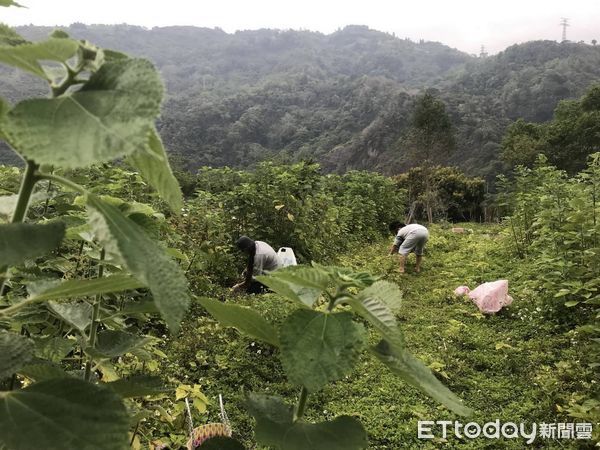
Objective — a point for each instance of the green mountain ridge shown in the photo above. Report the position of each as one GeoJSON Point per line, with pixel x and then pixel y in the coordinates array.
{"type": "Point", "coordinates": [343, 99]}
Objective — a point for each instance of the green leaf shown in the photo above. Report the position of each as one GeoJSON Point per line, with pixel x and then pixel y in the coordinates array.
{"type": "Point", "coordinates": [342, 433]}
{"type": "Point", "coordinates": [110, 116]}
{"type": "Point", "coordinates": [63, 414]}
{"type": "Point", "coordinates": [137, 307]}
{"type": "Point", "coordinates": [301, 284]}
{"type": "Point", "coordinates": [15, 351]}
{"type": "Point", "coordinates": [153, 164]}
{"type": "Point", "coordinates": [359, 280]}
{"type": "Point", "coordinates": [77, 288]}
{"type": "Point", "coordinates": [572, 303]}
{"type": "Point", "coordinates": [303, 295]}
{"type": "Point", "coordinates": [317, 347]}
{"type": "Point", "coordinates": [78, 315]}
{"type": "Point", "coordinates": [245, 320]}
{"type": "Point", "coordinates": [138, 386]}
{"type": "Point", "coordinates": [309, 277]}
{"type": "Point", "coordinates": [8, 36]}
{"type": "Point", "coordinates": [371, 306]}
{"type": "Point", "coordinates": [275, 427]}
{"type": "Point", "coordinates": [562, 293]}
{"type": "Point", "coordinates": [22, 241]}
{"type": "Point", "coordinates": [380, 316]}
{"type": "Point", "coordinates": [128, 243]}
{"type": "Point", "coordinates": [10, 3]}
{"type": "Point", "coordinates": [221, 443]}
{"type": "Point", "coordinates": [112, 55]}
{"type": "Point", "coordinates": [43, 370]}
{"type": "Point", "coordinates": [417, 374]}
{"type": "Point", "coordinates": [112, 343]}
{"type": "Point", "coordinates": [273, 418]}
{"type": "Point", "coordinates": [53, 348]}
{"type": "Point", "coordinates": [27, 56]}
{"type": "Point", "coordinates": [385, 292]}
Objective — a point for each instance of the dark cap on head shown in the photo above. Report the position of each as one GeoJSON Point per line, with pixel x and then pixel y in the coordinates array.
{"type": "Point", "coordinates": [395, 226]}
{"type": "Point", "coordinates": [244, 243]}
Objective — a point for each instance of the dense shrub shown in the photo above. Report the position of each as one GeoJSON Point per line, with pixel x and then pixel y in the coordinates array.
{"type": "Point", "coordinates": [553, 229]}
{"type": "Point", "coordinates": [295, 205]}
{"type": "Point", "coordinates": [455, 196]}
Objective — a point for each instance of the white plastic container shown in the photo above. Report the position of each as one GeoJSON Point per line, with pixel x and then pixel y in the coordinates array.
{"type": "Point", "coordinates": [286, 257]}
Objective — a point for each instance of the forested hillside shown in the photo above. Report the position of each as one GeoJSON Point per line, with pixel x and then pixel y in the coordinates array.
{"type": "Point", "coordinates": [342, 99]}
{"type": "Point", "coordinates": [133, 316]}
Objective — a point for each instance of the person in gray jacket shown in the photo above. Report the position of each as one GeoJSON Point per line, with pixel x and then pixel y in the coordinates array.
{"type": "Point", "coordinates": [409, 238]}
{"type": "Point", "coordinates": [261, 260]}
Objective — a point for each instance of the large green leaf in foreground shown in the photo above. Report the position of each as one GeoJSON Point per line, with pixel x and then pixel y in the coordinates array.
{"type": "Point", "coordinates": [111, 116]}
{"type": "Point", "coordinates": [417, 374]}
{"type": "Point", "coordinates": [76, 288]}
{"type": "Point", "coordinates": [275, 427]}
{"type": "Point", "coordinates": [63, 413]}
{"type": "Point", "coordinates": [130, 245]}
{"type": "Point", "coordinates": [317, 347]}
{"type": "Point", "coordinates": [112, 343]}
{"type": "Point", "coordinates": [22, 241]}
{"type": "Point", "coordinates": [138, 386]}
{"type": "Point", "coordinates": [374, 303]}
{"type": "Point", "coordinates": [153, 164]}
{"type": "Point", "coordinates": [78, 315]}
{"type": "Point", "coordinates": [244, 319]}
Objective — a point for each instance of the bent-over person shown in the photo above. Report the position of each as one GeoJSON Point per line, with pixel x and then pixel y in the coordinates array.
{"type": "Point", "coordinates": [261, 260]}
{"type": "Point", "coordinates": [409, 238]}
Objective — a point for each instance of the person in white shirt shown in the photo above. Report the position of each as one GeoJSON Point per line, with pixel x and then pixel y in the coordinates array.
{"type": "Point", "coordinates": [262, 259]}
{"type": "Point", "coordinates": [409, 238]}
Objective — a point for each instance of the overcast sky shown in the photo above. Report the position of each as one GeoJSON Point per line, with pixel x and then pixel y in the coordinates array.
{"type": "Point", "coordinates": [463, 24]}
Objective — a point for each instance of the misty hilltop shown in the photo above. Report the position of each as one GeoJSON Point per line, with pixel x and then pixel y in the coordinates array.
{"type": "Point", "coordinates": [342, 99]}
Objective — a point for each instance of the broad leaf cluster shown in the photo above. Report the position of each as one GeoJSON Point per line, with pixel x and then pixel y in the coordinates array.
{"type": "Point", "coordinates": [103, 106]}
{"type": "Point", "coordinates": [319, 344]}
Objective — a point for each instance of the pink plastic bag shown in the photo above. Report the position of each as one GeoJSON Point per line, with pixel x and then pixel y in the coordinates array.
{"type": "Point", "coordinates": [489, 297]}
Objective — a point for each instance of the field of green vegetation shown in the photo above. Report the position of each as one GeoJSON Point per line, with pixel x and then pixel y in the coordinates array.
{"type": "Point", "coordinates": [533, 362]}
{"type": "Point", "coordinates": [515, 366]}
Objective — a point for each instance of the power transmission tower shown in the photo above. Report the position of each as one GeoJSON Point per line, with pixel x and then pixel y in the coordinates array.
{"type": "Point", "coordinates": [564, 23]}
{"type": "Point", "coordinates": [483, 53]}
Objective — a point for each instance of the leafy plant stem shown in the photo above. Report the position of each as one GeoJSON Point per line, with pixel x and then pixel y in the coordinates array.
{"type": "Point", "coordinates": [25, 191]}
{"type": "Point", "coordinates": [94, 326]}
{"type": "Point", "coordinates": [66, 83]}
{"type": "Point", "coordinates": [27, 185]}
{"type": "Point", "coordinates": [135, 430]}
{"type": "Point", "coordinates": [48, 199]}
{"type": "Point", "coordinates": [62, 181]}
{"type": "Point", "coordinates": [299, 412]}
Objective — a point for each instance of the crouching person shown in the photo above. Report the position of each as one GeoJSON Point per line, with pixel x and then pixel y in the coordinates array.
{"type": "Point", "coordinates": [409, 238]}
{"type": "Point", "coordinates": [261, 260]}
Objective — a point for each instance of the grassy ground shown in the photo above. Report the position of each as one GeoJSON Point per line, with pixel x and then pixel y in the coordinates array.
{"type": "Point", "coordinates": [514, 366]}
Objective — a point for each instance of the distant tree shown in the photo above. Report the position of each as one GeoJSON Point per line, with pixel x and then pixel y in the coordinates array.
{"type": "Point", "coordinates": [430, 136]}
{"type": "Point", "coordinates": [594, 41]}
{"type": "Point", "coordinates": [431, 132]}
{"type": "Point", "coordinates": [522, 143]}
{"type": "Point", "coordinates": [458, 197]}
{"type": "Point", "coordinates": [566, 141]}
